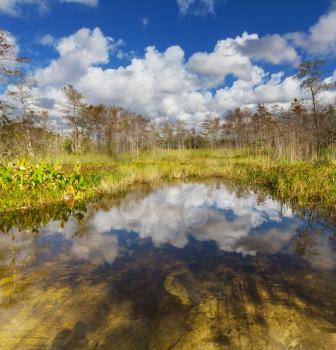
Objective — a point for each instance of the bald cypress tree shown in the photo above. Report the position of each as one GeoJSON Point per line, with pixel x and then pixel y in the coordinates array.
{"type": "Point", "coordinates": [73, 113]}
{"type": "Point", "coordinates": [312, 81]}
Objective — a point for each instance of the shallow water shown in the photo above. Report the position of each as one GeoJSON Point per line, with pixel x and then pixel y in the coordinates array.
{"type": "Point", "coordinates": [189, 266]}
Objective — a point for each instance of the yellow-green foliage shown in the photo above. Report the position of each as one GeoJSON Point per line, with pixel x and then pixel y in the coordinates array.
{"type": "Point", "coordinates": [23, 182]}
{"type": "Point", "coordinates": [304, 183]}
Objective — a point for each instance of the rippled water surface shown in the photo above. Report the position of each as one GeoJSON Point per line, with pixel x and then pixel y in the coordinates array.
{"type": "Point", "coordinates": [189, 266]}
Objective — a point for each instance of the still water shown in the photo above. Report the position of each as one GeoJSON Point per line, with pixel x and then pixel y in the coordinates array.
{"type": "Point", "coordinates": [189, 266]}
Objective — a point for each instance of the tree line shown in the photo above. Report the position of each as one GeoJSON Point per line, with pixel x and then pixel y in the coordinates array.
{"type": "Point", "coordinates": [304, 130]}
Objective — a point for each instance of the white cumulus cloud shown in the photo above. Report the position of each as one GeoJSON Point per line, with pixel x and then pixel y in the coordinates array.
{"type": "Point", "coordinates": [167, 85]}
{"type": "Point", "coordinates": [164, 85]}
{"type": "Point", "coordinates": [234, 56]}
{"type": "Point", "coordinates": [321, 38]}
{"type": "Point", "coordinates": [77, 53]}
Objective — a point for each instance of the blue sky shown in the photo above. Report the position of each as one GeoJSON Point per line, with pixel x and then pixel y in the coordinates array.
{"type": "Point", "coordinates": [166, 25]}
{"type": "Point", "coordinates": [206, 56]}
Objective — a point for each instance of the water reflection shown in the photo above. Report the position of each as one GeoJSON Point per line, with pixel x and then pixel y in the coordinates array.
{"type": "Point", "coordinates": [182, 267]}
{"type": "Point", "coordinates": [247, 224]}
{"type": "Point", "coordinates": [170, 214]}
{"type": "Point", "coordinates": [243, 224]}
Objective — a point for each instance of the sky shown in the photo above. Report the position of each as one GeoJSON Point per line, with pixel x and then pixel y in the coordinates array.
{"type": "Point", "coordinates": [171, 59]}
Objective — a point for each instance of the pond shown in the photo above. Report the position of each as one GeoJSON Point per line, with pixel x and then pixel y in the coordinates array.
{"type": "Point", "coordinates": [184, 266]}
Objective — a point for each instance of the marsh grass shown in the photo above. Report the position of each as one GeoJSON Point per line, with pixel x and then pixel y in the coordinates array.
{"type": "Point", "coordinates": [302, 183]}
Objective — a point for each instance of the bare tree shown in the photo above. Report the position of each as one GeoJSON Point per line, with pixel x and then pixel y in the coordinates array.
{"type": "Point", "coordinates": [94, 120]}
{"type": "Point", "coordinates": [4, 113]}
{"type": "Point", "coordinates": [312, 81]}
{"type": "Point", "coordinates": [73, 113]}
{"type": "Point", "coordinates": [212, 130]}
{"type": "Point", "coordinates": [26, 108]}
{"type": "Point", "coordinates": [8, 69]}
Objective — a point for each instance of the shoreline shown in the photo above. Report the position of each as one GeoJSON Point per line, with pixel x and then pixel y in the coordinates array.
{"type": "Point", "coordinates": [300, 183]}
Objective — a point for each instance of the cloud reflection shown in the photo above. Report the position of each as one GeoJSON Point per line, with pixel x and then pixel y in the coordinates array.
{"type": "Point", "coordinates": [172, 213]}
{"type": "Point", "coordinates": [243, 224]}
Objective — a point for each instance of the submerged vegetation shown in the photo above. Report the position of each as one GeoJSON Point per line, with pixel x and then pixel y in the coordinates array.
{"type": "Point", "coordinates": [110, 278]}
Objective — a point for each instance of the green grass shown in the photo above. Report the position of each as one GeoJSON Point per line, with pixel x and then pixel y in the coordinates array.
{"type": "Point", "coordinates": [302, 183]}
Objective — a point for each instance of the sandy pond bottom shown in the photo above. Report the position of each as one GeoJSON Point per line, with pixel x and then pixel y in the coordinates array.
{"type": "Point", "coordinates": [188, 266]}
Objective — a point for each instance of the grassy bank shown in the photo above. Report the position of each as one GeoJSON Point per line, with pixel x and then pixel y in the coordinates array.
{"type": "Point", "coordinates": [82, 178]}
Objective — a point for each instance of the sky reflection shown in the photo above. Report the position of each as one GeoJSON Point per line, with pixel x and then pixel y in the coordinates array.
{"type": "Point", "coordinates": [247, 224]}
{"type": "Point", "coordinates": [171, 214]}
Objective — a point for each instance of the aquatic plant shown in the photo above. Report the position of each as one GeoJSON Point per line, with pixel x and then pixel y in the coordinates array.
{"type": "Point", "coordinates": [30, 176]}
{"type": "Point", "coordinates": [302, 183]}
{"type": "Point", "coordinates": [23, 180]}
